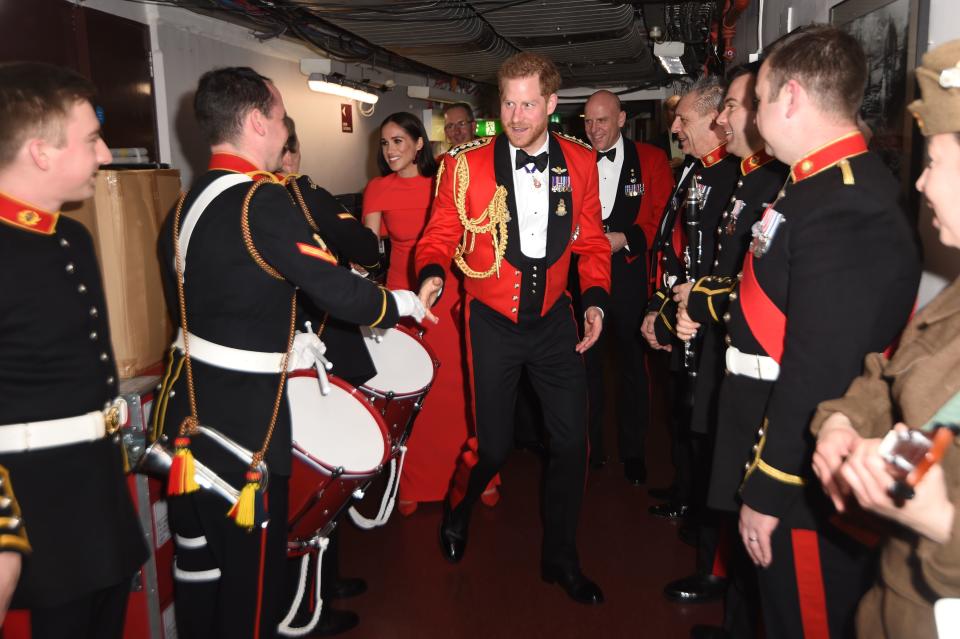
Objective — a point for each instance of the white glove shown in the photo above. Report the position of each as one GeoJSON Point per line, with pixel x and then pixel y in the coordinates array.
{"type": "Point", "coordinates": [308, 352]}
{"type": "Point", "coordinates": [408, 305]}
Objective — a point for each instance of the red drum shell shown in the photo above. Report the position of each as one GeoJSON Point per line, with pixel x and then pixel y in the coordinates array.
{"type": "Point", "coordinates": [398, 405]}
{"type": "Point", "coordinates": [320, 487]}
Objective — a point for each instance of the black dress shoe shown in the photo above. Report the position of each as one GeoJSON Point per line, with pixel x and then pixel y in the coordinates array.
{"type": "Point", "coordinates": [701, 631]}
{"type": "Point", "coordinates": [453, 535]}
{"type": "Point", "coordinates": [334, 622]}
{"type": "Point", "coordinates": [669, 510]}
{"type": "Point", "coordinates": [696, 588]}
{"type": "Point", "coordinates": [635, 470]}
{"type": "Point", "coordinates": [345, 587]}
{"type": "Point", "coordinates": [577, 587]}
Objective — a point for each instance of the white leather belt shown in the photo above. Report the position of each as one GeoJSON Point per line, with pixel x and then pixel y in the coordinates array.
{"type": "Point", "coordinates": [18, 438]}
{"type": "Point", "coordinates": [756, 366]}
{"type": "Point", "coordinates": [235, 359]}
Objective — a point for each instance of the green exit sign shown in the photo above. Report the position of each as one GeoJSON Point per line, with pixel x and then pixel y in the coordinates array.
{"type": "Point", "coordinates": [488, 127]}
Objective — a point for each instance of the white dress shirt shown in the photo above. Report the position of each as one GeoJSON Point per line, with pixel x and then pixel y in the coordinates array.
{"type": "Point", "coordinates": [609, 173]}
{"type": "Point", "coordinates": [533, 203]}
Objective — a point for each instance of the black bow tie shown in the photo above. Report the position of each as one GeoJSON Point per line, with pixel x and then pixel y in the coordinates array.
{"type": "Point", "coordinates": [610, 155]}
{"type": "Point", "coordinates": [524, 158]}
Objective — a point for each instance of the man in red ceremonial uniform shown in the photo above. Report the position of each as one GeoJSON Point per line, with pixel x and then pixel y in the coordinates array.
{"type": "Point", "coordinates": [521, 204]}
{"type": "Point", "coordinates": [830, 276]}
{"type": "Point", "coordinates": [75, 530]}
{"type": "Point", "coordinates": [635, 182]}
{"type": "Point", "coordinates": [237, 255]}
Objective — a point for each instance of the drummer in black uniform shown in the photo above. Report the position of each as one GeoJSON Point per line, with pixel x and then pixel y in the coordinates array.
{"type": "Point", "coordinates": [831, 275]}
{"type": "Point", "coordinates": [761, 178]}
{"type": "Point", "coordinates": [709, 162]}
{"type": "Point", "coordinates": [242, 266]}
{"type": "Point", "coordinates": [355, 246]}
{"type": "Point", "coordinates": [58, 379]}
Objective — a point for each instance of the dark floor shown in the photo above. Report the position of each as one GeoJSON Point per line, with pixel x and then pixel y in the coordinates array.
{"type": "Point", "coordinates": [496, 590]}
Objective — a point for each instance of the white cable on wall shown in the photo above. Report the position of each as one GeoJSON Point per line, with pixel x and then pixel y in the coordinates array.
{"type": "Point", "coordinates": [760, 28]}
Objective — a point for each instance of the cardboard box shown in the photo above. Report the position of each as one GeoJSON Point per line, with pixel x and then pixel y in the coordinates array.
{"type": "Point", "coordinates": [124, 217]}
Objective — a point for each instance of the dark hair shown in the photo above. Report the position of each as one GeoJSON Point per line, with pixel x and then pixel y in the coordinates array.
{"type": "Point", "coordinates": [35, 100]}
{"type": "Point", "coordinates": [292, 144]}
{"type": "Point", "coordinates": [526, 64]}
{"type": "Point", "coordinates": [747, 68]}
{"type": "Point", "coordinates": [426, 163]}
{"type": "Point", "coordinates": [460, 105]}
{"type": "Point", "coordinates": [827, 62]}
{"type": "Point", "coordinates": [225, 96]}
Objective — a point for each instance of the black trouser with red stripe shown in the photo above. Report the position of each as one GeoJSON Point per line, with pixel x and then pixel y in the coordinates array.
{"type": "Point", "coordinates": [814, 583]}
{"type": "Point", "coordinates": [228, 582]}
{"type": "Point", "coordinates": [545, 348]}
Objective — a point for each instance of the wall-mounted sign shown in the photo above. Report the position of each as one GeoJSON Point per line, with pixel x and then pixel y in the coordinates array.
{"type": "Point", "coordinates": [346, 118]}
{"type": "Point", "coordinates": [488, 127]}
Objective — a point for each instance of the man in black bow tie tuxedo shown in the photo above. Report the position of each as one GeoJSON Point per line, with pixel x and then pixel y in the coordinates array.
{"type": "Point", "coordinates": [635, 183]}
{"type": "Point", "coordinates": [510, 211]}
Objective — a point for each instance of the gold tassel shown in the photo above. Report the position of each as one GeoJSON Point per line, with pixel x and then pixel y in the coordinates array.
{"type": "Point", "coordinates": [249, 509]}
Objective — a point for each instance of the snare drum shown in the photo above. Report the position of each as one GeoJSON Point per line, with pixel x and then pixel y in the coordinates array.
{"type": "Point", "coordinates": [406, 366]}
{"type": "Point", "coordinates": [339, 444]}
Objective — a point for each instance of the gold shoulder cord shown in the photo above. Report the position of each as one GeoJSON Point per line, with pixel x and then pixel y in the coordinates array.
{"type": "Point", "coordinates": [191, 422]}
{"type": "Point", "coordinates": [493, 220]}
{"type": "Point", "coordinates": [298, 196]}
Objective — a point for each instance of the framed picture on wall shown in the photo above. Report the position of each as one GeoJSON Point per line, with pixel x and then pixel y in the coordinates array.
{"type": "Point", "coordinates": [893, 34]}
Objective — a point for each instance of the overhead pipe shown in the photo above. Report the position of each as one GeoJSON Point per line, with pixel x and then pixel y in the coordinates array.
{"type": "Point", "coordinates": [731, 13]}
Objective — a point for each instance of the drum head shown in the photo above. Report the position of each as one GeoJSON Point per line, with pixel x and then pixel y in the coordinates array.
{"type": "Point", "coordinates": [337, 430]}
{"type": "Point", "coordinates": [403, 364]}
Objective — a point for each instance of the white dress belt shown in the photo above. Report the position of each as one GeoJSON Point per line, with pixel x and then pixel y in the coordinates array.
{"type": "Point", "coordinates": [235, 359]}
{"type": "Point", "coordinates": [18, 438]}
{"type": "Point", "coordinates": [755, 366]}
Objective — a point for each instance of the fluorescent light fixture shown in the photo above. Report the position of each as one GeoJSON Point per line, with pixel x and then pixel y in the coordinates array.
{"type": "Point", "coordinates": [669, 54]}
{"type": "Point", "coordinates": [321, 84]}
{"type": "Point", "coordinates": [672, 65]}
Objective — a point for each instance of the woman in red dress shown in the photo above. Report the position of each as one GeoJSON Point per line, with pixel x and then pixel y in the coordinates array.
{"type": "Point", "coordinates": [400, 201]}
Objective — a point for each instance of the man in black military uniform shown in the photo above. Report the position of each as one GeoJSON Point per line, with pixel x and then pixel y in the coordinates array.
{"type": "Point", "coordinates": [761, 178]}
{"type": "Point", "coordinates": [242, 256]}
{"type": "Point", "coordinates": [57, 372]}
{"type": "Point", "coordinates": [832, 249]}
{"type": "Point", "coordinates": [635, 184]}
{"type": "Point", "coordinates": [716, 171]}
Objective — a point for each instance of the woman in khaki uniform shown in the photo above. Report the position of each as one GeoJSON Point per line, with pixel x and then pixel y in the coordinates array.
{"type": "Point", "coordinates": [920, 560]}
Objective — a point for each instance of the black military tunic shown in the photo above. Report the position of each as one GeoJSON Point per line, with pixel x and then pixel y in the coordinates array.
{"type": "Point", "coordinates": [350, 242]}
{"type": "Point", "coordinates": [761, 178]}
{"type": "Point", "coordinates": [831, 276]}
{"type": "Point", "coordinates": [56, 362]}
{"type": "Point", "coordinates": [717, 172]}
